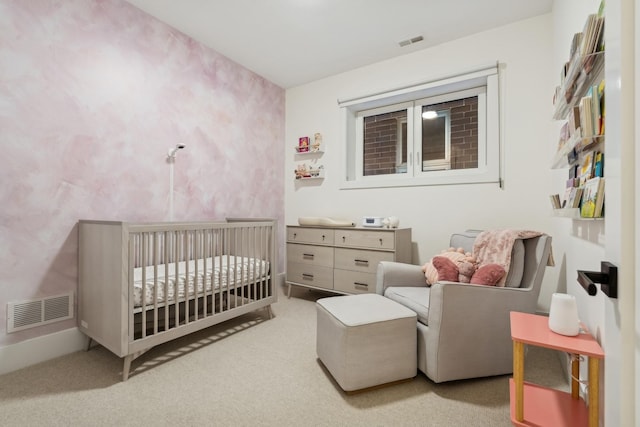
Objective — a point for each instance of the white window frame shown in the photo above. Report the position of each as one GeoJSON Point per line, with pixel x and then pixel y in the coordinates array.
{"type": "Point", "coordinates": [454, 87]}
{"type": "Point", "coordinates": [400, 165]}
{"type": "Point", "coordinates": [359, 136]}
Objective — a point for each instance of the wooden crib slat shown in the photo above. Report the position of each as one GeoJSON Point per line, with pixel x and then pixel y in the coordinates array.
{"type": "Point", "coordinates": [154, 238]}
{"type": "Point", "coordinates": [166, 247]}
{"type": "Point", "coordinates": [176, 299]}
{"type": "Point", "coordinates": [143, 257]}
{"type": "Point", "coordinates": [132, 263]}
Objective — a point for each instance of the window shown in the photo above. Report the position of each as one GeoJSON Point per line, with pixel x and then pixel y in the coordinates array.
{"type": "Point", "coordinates": [441, 132]}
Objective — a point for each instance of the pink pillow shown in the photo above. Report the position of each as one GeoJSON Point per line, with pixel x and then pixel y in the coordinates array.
{"type": "Point", "coordinates": [488, 274]}
{"type": "Point", "coordinates": [447, 270]}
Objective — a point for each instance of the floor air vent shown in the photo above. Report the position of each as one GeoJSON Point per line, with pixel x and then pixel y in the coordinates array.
{"type": "Point", "coordinates": [29, 314]}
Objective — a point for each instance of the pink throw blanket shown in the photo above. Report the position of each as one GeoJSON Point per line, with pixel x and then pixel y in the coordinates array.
{"type": "Point", "coordinates": [495, 246]}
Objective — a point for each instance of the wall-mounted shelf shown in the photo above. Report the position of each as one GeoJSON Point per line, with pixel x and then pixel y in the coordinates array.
{"type": "Point", "coordinates": [583, 72]}
{"type": "Point", "coordinates": [309, 178]}
{"type": "Point", "coordinates": [311, 149]}
{"type": "Point", "coordinates": [572, 213]}
{"type": "Point", "coordinates": [579, 101]}
{"type": "Point", "coordinates": [577, 144]}
{"type": "Point", "coordinates": [309, 173]}
{"type": "Point", "coordinates": [308, 152]}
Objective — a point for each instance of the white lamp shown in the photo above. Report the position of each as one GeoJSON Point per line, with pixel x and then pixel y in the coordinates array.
{"type": "Point", "coordinates": [563, 315]}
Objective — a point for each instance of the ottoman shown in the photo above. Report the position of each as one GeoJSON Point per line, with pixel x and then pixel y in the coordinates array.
{"type": "Point", "coordinates": [366, 340]}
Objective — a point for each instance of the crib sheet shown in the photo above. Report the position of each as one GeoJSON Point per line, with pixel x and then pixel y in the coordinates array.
{"type": "Point", "coordinates": [220, 271]}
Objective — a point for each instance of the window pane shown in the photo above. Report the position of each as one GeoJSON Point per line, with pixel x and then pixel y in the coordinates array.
{"type": "Point", "coordinates": [434, 135]}
{"type": "Point", "coordinates": [385, 143]}
{"type": "Point", "coordinates": [463, 128]}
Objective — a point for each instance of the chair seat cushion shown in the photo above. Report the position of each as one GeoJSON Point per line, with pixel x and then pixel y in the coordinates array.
{"type": "Point", "coordinates": [415, 298]}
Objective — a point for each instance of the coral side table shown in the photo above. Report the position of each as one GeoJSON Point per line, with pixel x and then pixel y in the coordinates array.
{"type": "Point", "coordinates": [533, 405]}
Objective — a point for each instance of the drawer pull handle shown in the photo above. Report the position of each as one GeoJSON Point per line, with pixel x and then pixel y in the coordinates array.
{"type": "Point", "coordinates": [308, 256]}
{"type": "Point", "coordinates": [307, 276]}
{"type": "Point", "coordinates": [361, 261]}
{"type": "Point", "coordinates": [294, 235]}
{"type": "Point", "coordinates": [380, 242]}
{"type": "Point", "coordinates": [343, 239]}
{"type": "Point", "coordinates": [323, 237]}
{"type": "Point", "coordinates": [361, 285]}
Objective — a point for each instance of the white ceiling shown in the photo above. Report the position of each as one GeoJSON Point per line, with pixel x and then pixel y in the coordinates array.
{"type": "Point", "coordinates": [292, 42]}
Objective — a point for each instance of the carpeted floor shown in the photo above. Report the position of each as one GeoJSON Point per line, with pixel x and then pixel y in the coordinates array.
{"type": "Point", "coordinates": [249, 371]}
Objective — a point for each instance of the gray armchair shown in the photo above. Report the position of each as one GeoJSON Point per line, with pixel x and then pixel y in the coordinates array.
{"type": "Point", "coordinates": [463, 329]}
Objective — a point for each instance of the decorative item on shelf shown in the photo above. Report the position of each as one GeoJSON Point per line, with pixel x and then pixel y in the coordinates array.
{"type": "Point", "coordinates": [302, 171]}
{"type": "Point", "coordinates": [563, 315]}
{"type": "Point", "coordinates": [317, 142]}
{"type": "Point", "coordinates": [303, 144]}
{"type": "Point", "coordinates": [305, 172]}
{"type": "Point", "coordinates": [391, 222]}
{"type": "Point", "coordinates": [317, 172]}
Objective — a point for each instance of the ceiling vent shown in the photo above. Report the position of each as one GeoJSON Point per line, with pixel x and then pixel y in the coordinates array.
{"type": "Point", "coordinates": [413, 40]}
{"type": "Point", "coordinates": [29, 314]}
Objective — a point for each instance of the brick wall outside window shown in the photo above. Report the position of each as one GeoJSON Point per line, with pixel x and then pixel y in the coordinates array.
{"type": "Point", "coordinates": [380, 142]}
{"type": "Point", "coordinates": [381, 132]}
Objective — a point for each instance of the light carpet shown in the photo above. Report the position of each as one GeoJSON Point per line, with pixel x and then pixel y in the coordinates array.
{"type": "Point", "coordinates": [250, 371]}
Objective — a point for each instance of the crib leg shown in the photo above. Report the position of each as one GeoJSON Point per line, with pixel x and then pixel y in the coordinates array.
{"type": "Point", "coordinates": [269, 311]}
{"type": "Point", "coordinates": [89, 341]}
{"type": "Point", "coordinates": [289, 291]}
{"type": "Point", "coordinates": [126, 367]}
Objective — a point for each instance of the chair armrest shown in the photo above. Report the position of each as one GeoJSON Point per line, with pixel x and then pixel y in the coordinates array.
{"type": "Point", "coordinates": [469, 328]}
{"type": "Point", "coordinates": [398, 274]}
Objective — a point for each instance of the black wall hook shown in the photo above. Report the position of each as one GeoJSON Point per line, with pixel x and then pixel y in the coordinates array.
{"type": "Point", "coordinates": [607, 277]}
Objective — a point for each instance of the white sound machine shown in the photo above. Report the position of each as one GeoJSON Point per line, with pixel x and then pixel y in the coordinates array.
{"type": "Point", "coordinates": [372, 221]}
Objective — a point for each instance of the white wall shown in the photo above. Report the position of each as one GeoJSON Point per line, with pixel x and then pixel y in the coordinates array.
{"type": "Point", "coordinates": [434, 212]}
{"type": "Point", "coordinates": [584, 244]}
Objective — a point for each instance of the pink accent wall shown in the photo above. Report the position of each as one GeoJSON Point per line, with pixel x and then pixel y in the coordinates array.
{"type": "Point", "coordinates": [92, 95]}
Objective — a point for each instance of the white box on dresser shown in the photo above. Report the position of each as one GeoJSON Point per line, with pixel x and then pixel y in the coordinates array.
{"type": "Point", "coordinates": [342, 260]}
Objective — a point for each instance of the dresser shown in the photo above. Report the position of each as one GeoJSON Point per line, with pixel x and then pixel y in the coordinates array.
{"type": "Point", "coordinates": [343, 260]}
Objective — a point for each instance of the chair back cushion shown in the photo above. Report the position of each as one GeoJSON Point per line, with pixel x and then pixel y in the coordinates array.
{"type": "Point", "coordinates": [466, 239]}
{"type": "Point", "coordinates": [516, 268]}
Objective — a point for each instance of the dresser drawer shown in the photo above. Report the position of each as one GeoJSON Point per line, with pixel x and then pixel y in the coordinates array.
{"type": "Point", "coordinates": [310, 235]}
{"type": "Point", "coordinates": [366, 239]}
{"type": "Point", "coordinates": [359, 260]}
{"type": "Point", "coordinates": [308, 254]}
{"type": "Point", "coordinates": [354, 282]}
{"type": "Point", "coordinates": [310, 275]}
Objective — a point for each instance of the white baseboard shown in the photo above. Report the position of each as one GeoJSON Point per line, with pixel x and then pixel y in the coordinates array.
{"type": "Point", "coordinates": [41, 349]}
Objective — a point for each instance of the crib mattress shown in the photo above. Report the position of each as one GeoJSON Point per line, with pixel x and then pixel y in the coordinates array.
{"type": "Point", "coordinates": [195, 277]}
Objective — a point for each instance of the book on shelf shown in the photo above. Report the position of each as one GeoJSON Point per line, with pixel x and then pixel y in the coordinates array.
{"type": "Point", "coordinates": [586, 115]}
{"type": "Point", "coordinates": [601, 97]}
{"type": "Point", "coordinates": [592, 40]}
{"type": "Point", "coordinates": [586, 168]}
{"type": "Point", "coordinates": [566, 198]}
{"type": "Point", "coordinates": [574, 121]}
{"type": "Point", "coordinates": [563, 137]}
{"type": "Point", "coordinates": [598, 164]}
{"type": "Point", "coordinates": [574, 198]}
{"type": "Point", "coordinates": [555, 201]}
{"type": "Point", "coordinates": [592, 198]}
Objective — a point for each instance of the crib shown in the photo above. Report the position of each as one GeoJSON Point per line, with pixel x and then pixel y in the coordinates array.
{"type": "Point", "coordinates": [143, 284]}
